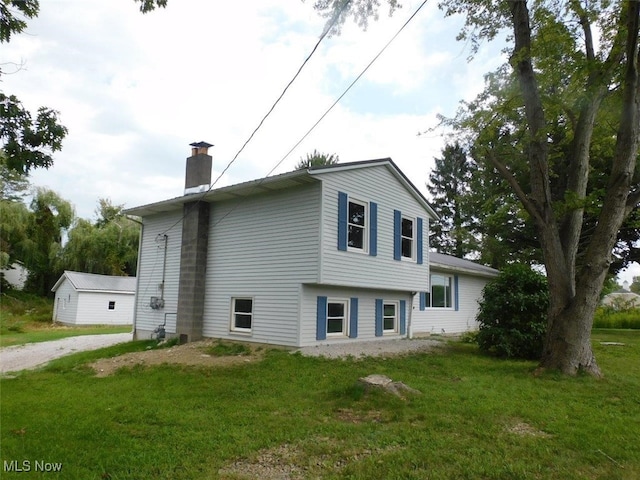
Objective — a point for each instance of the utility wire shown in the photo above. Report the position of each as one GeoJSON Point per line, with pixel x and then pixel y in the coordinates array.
{"type": "Point", "coordinates": [322, 117]}
{"type": "Point", "coordinates": [348, 88]}
{"type": "Point", "coordinates": [322, 37]}
{"type": "Point", "coordinates": [325, 32]}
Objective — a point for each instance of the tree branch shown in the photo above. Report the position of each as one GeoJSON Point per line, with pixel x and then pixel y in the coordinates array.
{"type": "Point", "coordinates": [528, 204]}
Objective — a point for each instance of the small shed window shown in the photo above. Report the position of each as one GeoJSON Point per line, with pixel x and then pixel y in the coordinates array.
{"type": "Point", "coordinates": [112, 305]}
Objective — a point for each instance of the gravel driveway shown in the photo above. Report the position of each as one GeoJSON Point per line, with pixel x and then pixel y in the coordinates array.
{"type": "Point", "coordinates": [31, 355]}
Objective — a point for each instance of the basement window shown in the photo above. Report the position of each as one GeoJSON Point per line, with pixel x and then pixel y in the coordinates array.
{"type": "Point", "coordinates": [390, 317]}
{"type": "Point", "coordinates": [241, 314]}
{"type": "Point", "coordinates": [112, 305]}
{"type": "Point", "coordinates": [337, 314]}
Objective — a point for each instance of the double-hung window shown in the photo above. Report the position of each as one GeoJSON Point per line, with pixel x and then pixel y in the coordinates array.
{"type": "Point", "coordinates": [407, 238]}
{"type": "Point", "coordinates": [390, 317]}
{"type": "Point", "coordinates": [337, 314]}
{"type": "Point", "coordinates": [441, 291]}
{"type": "Point", "coordinates": [241, 314]}
{"type": "Point", "coordinates": [357, 225]}
{"type": "Point", "coordinates": [112, 305]}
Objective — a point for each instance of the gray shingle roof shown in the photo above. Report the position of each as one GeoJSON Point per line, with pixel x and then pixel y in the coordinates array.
{"type": "Point", "coordinates": [448, 262]}
{"type": "Point", "coordinates": [98, 283]}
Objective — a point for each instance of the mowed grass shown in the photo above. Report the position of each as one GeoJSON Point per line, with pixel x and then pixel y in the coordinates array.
{"type": "Point", "coordinates": [476, 418]}
{"type": "Point", "coordinates": [26, 318]}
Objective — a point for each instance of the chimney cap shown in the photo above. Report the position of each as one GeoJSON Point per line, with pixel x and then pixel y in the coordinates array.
{"type": "Point", "coordinates": [200, 145]}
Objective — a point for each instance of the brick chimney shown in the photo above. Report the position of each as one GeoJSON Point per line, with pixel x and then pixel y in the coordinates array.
{"type": "Point", "coordinates": [193, 253]}
{"type": "Point", "coordinates": [197, 177]}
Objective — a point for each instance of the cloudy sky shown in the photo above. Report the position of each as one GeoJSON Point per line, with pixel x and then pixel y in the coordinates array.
{"type": "Point", "coordinates": [134, 90]}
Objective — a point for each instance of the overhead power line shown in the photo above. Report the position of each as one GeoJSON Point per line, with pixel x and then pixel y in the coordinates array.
{"type": "Point", "coordinates": [325, 32]}
{"type": "Point", "coordinates": [322, 117]}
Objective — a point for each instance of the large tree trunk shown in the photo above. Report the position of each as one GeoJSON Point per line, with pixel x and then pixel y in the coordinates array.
{"type": "Point", "coordinates": [574, 295]}
{"type": "Point", "coordinates": [567, 345]}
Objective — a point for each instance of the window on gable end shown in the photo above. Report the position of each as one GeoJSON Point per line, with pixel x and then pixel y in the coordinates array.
{"type": "Point", "coordinates": [357, 225]}
{"type": "Point", "coordinates": [407, 237]}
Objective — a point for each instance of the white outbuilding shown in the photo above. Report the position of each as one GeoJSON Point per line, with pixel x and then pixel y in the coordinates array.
{"type": "Point", "coordinates": [91, 299]}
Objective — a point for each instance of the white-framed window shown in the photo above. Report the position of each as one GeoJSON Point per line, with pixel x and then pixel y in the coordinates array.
{"type": "Point", "coordinates": [337, 318]}
{"type": "Point", "coordinates": [241, 314]}
{"type": "Point", "coordinates": [390, 317]}
{"type": "Point", "coordinates": [441, 291]}
{"type": "Point", "coordinates": [357, 225]}
{"type": "Point", "coordinates": [407, 237]}
{"type": "Point", "coordinates": [112, 305]}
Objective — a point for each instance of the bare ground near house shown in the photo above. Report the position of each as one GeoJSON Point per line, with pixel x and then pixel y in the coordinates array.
{"type": "Point", "coordinates": [196, 353]}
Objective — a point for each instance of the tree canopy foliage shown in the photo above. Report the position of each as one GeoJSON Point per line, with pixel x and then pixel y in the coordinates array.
{"type": "Point", "coordinates": [565, 108]}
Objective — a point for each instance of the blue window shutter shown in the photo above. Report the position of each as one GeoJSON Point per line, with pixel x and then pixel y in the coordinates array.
{"type": "Point", "coordinates": [378, 317]}
{"type": "Point", "coordinates": [353, 318]}
{"type": "Point", "coordinates": [397, 234]}
{"type": "Point", "coordinates": [419, 242]}
{"type": "Point", "coordinates": [403, 317]}
{"type": "Point", "coordinates": [423, 301]}
{"type": "Point", "coordinates": [342, 220]}
{"type": "Point", "coordinates": [321, 323]}
{"type": "Point", "coordinates": [373, 229]}
{"type": "Point", "coordinates": [456, 300]}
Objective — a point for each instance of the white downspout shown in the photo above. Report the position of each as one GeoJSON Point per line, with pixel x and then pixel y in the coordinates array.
{"type": "Point", "coordinates": [135, 300]}
{"type": "Point", "coordinates": [409, 320]}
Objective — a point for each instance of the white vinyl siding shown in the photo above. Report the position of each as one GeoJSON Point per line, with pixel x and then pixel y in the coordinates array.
{"type": "Point", "coordinates": [65, 306]}
{"type": "Point", "coordinates": [93, 308]}
{"type": "Point", "coordinates": [264, 248]}
{"type": "Point", "coordinates": [376, 184]}
{"type": "Point", "coordinates": [448, 320]}
{"type": "Point", "coordinates": [366, 312]}
{"type": "Point", "coordinates": [151, 268]}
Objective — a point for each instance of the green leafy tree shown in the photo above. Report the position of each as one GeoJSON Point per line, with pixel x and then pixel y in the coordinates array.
{"type": "Point", "coordinates": [317, 159]}
{"type": "Point", "coordinates": [109, 247]}
{"type": "Point", "coordinates": [576, 100]}
{"type": "Point", "coordinates": [40, 250]}
{"type": "Point", "coordinates": [29, 141]}
{"type": "Point", "coordinates": [513, 313]}
{"type": "Point", "coordinates": [450, 189]}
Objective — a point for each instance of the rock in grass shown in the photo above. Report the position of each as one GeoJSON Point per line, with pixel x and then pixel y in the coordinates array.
{"type": "Point", "coordinates": [386, 384]}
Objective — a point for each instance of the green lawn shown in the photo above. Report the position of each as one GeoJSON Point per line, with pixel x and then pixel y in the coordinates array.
{"type": "Point", "coordinates": [477, 418]}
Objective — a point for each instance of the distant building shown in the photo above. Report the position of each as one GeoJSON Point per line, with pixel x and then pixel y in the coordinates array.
{"type": "Point", "coordinates": [91, 299]}
{"type": "Point", "coordinates": [622, 299]}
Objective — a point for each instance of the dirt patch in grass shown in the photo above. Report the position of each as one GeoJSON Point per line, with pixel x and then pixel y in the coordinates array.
{"type": "Point", "coordinates": [523, 429]}
{"type": "Point", "coordinates": [306, 459]}
{"type": "Point", "coordinates": [192, 354]}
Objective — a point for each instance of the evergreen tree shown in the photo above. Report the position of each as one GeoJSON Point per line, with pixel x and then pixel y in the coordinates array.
{"type": "Point", "coordinates": [317, 159]}
{"type": "Point", "coordinates": [450, 188]}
